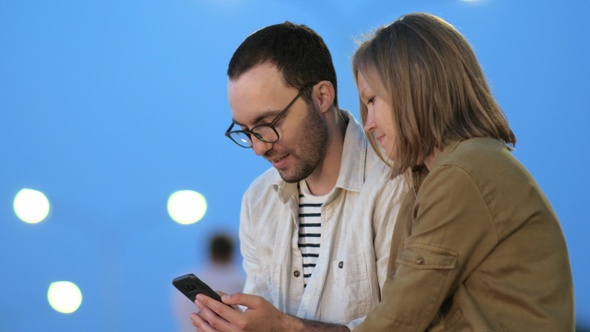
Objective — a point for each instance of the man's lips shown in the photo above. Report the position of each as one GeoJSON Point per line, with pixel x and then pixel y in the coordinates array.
{"type": "Point", "coordinates": [278, 162]}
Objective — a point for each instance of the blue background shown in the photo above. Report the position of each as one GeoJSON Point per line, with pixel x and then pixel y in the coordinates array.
{"type": "Point", "coordinates": [110, 106]}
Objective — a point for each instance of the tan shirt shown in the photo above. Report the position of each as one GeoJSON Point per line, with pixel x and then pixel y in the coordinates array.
{"type": "Point", "coordinates": [477, 247]}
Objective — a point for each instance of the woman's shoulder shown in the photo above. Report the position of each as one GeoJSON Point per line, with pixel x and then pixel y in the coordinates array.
{"type": "Point", "coordinates": [475, 152]}
{"type": "Point", "coordinates": [480, 159]}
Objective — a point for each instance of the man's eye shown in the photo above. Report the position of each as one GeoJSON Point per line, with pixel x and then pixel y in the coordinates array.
{"type": "Point", "coordinates": [370, 100]}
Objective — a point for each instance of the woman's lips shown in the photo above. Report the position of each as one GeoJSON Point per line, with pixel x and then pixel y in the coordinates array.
{"type": "Point", "coordinates": [380, 139]}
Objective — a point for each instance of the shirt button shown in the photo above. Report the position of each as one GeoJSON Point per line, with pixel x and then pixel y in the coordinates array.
{"type": "Point", "coordinates": [296, 273]}
{"type": "Point", "coordinates": [340, 264]}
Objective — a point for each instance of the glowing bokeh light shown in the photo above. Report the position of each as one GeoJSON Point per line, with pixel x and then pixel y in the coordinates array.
{"type": "Point", "coordinates": [186, 206]}
{"type": "Point", "coordinates": [64, 296]}
{"type": "Point", "coordinates": [31, 206]}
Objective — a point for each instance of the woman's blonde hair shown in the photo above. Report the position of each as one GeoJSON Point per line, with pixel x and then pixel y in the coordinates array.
{"type": "Point", "coordinates": [437, 88]}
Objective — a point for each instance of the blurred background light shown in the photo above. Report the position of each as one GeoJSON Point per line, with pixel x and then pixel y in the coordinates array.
{"type": "Point", "coordinates": [64, 296]}
{"type": "Point", "coordinates": [31, 206]}
{"type": "Point", "coordinates": [186, 206]}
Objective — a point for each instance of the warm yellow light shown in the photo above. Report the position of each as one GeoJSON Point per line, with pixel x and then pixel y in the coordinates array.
{"type": "Point", "coordinates": [31, 206]}
{"type": "Point", "coordinates": [186, 206]}
{"type": "Point", "coordinates": [64, 296]}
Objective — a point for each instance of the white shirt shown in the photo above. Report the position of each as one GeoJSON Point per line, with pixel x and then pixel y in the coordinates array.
{"type": "Point", "coordinates": [357, 225]}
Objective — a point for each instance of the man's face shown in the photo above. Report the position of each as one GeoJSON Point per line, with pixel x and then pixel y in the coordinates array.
{"type": "Point", "coordinates": [257, 97]}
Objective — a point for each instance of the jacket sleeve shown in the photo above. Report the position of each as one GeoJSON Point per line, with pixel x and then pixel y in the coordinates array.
{"type": "Point", "coordinates": [255, 281]}
{"type": "Point", "coordinates": [451, 231]}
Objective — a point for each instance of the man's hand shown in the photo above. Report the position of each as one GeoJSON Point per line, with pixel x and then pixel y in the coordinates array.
{"type": "Point", "coordinates": [259, 316]}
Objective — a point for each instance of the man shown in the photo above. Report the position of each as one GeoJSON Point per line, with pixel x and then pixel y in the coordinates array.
{"type": "Point", "coordinates": [316, 228]}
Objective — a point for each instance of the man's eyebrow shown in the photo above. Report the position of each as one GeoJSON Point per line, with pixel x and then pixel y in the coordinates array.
{"type": "Point", "coordinates": [260, 117]}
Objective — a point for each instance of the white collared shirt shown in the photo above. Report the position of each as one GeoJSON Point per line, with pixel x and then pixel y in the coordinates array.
{"type": "Point", "coordinates": [357, 225]}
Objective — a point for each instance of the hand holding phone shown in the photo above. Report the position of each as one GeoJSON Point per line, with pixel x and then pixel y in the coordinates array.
{"type": "Point", "coordinates": [190, 286]}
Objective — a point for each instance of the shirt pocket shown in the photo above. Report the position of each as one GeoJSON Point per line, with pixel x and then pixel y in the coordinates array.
{"type": "Point", "coordinates": [427, 268]}
{"type": "Point", "coordinates": [353, 290]}
{"type": "Point", "coordinates": [265, 282]}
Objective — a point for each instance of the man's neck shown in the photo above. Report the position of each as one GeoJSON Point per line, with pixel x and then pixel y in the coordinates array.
{"type": "Point", "coordinates": [324, 177]}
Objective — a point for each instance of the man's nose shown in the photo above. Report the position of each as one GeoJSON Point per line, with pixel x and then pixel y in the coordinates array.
{"type": "Point", "coordinates": [259, 146]}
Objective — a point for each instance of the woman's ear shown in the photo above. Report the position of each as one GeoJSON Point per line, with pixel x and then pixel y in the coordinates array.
{"type": "Point", "coordinates": [323, 95]}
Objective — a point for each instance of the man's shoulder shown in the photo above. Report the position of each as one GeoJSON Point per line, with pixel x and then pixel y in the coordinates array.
{"type": "Point", "coordinates": [376, 170]}
{"type": "Point", "coordinates": [264, 181]}
{"type": "Point", "coordinates": [380, 182]}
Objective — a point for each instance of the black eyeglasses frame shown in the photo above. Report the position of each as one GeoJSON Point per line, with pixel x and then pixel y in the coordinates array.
{"type": "Point", "coordinates": [271, 125]}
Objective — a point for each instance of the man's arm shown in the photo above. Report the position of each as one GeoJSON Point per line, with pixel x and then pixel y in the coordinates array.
{"type": "Point", "coordinates": [259, 316]}
{"type": "Point", "coordinates": [385, 212]}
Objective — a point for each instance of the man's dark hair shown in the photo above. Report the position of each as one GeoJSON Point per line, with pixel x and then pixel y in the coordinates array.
{"type": "Point", "coordinates": [296, 50]}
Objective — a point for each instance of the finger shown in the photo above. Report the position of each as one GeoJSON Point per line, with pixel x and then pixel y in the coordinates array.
{"type": "Point", "coordinates": [219, 308]}
{"type": "Point", "coordinates": [247, 300]}
{"type": "Point", "coordinates": [211, 313]}
{"type": "Point", "coordinates": [200, 324]}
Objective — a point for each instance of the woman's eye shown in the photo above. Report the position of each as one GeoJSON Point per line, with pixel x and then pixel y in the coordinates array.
{"type": "Point", "coordinates": [370, 100]}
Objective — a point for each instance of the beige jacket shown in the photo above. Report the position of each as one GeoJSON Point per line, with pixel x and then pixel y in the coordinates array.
{"type": "Point", "coordinates": [477, 247]}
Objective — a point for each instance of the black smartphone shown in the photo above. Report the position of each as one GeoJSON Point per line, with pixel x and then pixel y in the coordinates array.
{"type": "Point", "coordinates": [190, 286]}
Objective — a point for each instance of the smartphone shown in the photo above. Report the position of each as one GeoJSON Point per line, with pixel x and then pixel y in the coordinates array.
{"type": "Point", "coordinates": [190, 286]}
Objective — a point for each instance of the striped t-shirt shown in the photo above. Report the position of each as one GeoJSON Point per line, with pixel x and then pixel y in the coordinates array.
{"type": "Point", "coordinates": [310, 228]}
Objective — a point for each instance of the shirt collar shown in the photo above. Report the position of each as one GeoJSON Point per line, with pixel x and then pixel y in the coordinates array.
{"type": "Point", "coordinates": [352, 165]}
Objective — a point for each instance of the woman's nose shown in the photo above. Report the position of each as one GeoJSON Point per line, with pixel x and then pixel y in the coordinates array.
{"type": "Point", "coordinates": [369, 123]}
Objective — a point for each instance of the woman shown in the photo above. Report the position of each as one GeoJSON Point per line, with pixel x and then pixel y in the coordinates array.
{"type": "Point", "coordinates": [477, 246]}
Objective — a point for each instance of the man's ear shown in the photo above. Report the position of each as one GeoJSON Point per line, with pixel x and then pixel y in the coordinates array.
{"type": "Point", "coordinates": [323, 95]}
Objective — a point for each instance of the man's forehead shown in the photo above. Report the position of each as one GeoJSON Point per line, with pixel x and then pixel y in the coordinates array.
{"type": "Point", "coordinates": [263, 76]}
{"type": "Point", "coordinates": [252, 104]}
{"type": "Point", "coordinates": [257, 94]}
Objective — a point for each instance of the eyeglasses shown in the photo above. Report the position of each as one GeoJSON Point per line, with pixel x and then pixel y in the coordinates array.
{"type": "Point", "coordinates": [265, 132]}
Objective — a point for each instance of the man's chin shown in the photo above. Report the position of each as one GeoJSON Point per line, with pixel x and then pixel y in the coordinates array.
{"type": "Point", "coordinates": [294, 177]}
{"type": "Point", "coordinates": [289, 178]}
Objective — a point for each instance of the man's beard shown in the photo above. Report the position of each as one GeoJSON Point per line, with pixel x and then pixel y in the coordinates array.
{"type": "Point", "coordinates": [313, 146]}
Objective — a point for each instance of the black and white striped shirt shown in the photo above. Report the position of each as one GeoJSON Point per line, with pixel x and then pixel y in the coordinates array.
{"type": "Point", "coordinates": [310, 228]}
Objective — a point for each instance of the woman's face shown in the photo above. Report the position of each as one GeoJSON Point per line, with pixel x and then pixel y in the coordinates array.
{"type": "Point", "coordinates": [379, 120]}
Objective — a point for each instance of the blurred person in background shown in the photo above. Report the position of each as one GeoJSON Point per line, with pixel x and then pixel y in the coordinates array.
{"type": "Point", "coordinates": [221, 272]}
